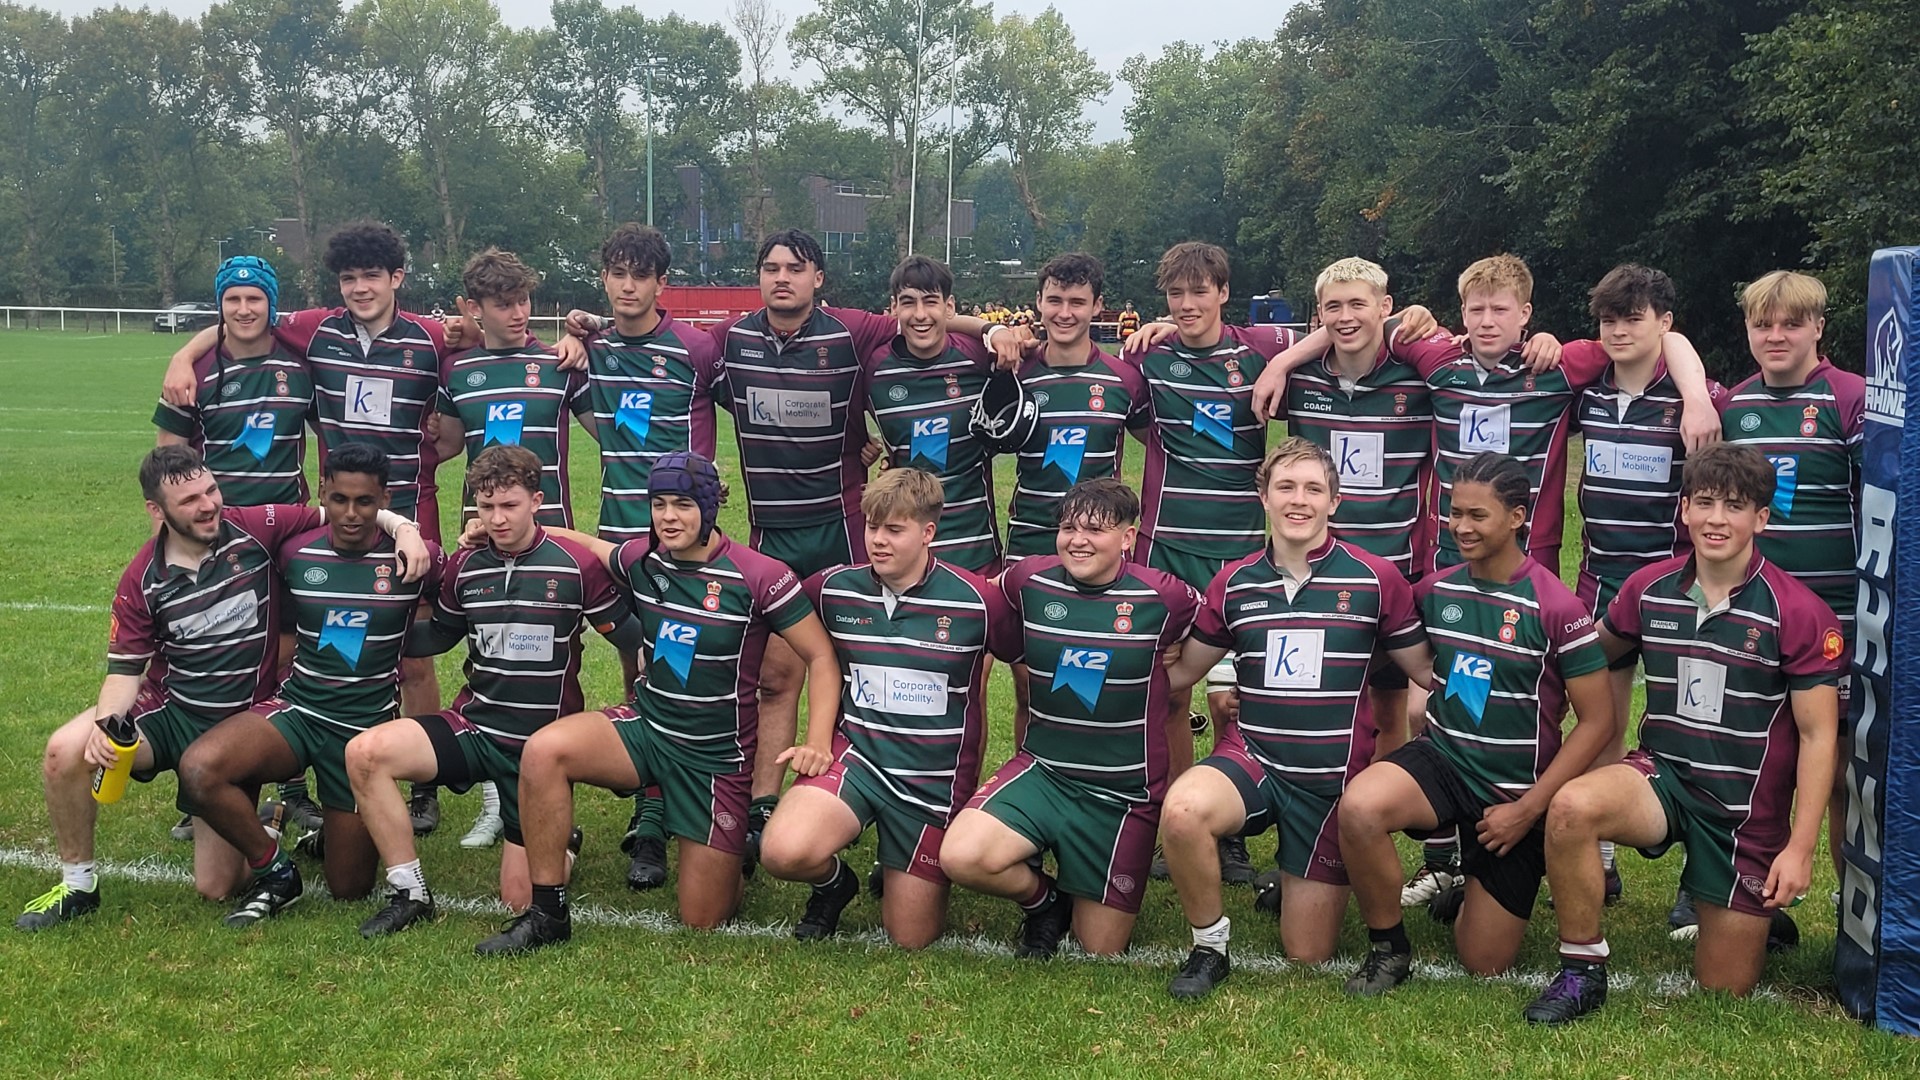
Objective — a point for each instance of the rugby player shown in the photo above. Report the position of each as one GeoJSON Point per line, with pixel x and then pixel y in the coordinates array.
{"type": "Point", "coordinates": [1743, 663]}
{"type": "Point", "coordinates": [1511, 650]}
{"type": "Point", "coordinates": [1306, 619]}
{"type": "Point", "coordinates": [352, 607]}
{"type": "Point", "coordinates": [194, 638]}
{"type": "Point", "coordinates": [1092, 768]}
{"type": "Point", "coordinates": [912, 634]}
{"type": "Point", "coordinates": [708, 606]}
{"type": "Point", "coordinates": [518, 601]}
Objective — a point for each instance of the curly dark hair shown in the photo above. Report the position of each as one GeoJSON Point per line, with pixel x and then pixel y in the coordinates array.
{"type": "Point", "coordinates": [1075, 268]}
{"type": "Point", "coordinates": [366, 245]}
{"type": "Point", "coordinates": [637, 249]}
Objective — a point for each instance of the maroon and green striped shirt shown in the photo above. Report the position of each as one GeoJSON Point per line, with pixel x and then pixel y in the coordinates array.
{"type": "Point", "coordinates": [922, 408]}
{"type": "Point", "coordinates": [1085, 412]}
{"type": "Point", "coordinates": [351, 613]}
{"type": "Point", "coordinates": [249, 421]}
{"type": "Point", "coordinates": [651, 396]}
{"type": "Point", "coordinates": [520, 397]}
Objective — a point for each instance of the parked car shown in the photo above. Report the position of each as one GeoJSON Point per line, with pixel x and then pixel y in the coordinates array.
{"type": "Point", "coordinates": [186, 317]}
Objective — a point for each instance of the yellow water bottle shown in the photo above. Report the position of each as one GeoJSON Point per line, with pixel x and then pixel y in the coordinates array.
{"type": "Point", "coordinates": [124, 735]}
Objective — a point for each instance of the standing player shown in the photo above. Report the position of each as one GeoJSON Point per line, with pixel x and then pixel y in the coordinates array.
{"type": "Point", "coordinates": [1742, 712]}
{"type": "Point", "coordinates": [1307, 619]}
{"type": "Point", "coordinates": [912, 635]}
{"type": "Point", "coordinates": [352, 606]}
{"type": "Point", "coordinates": [1126, 325]}
{"type": "Point", "coordinates": [519, 602]}
{"type": "Point", "coordinates": [1515, 649]}
{"type": "Point", "coordinates": [708, 607]}
{"type": "Point", "coordinates": [1092, 768]}
{"type": "Point", "coordinates": [651, 383]}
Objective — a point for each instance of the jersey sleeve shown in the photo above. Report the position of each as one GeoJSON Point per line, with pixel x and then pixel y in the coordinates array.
{"type": "Point", "coordinates": [1570, 634]}
{"type": "Point", "coordinates": [1622, 617]}
{"type": "Point", "coordinates": [625, 557]}
{"type": "Point", "coordinates": [1583, 362]}
{"type": "Point", "coordinates": [704, 355]}
{"type": "Point", "coordinates": [1813, 652]}
{"type": "Point", "coordinates": [814, 585]}
{"type": "Point", "coordinates": [177, 421]}
{"type": "Point", "coordinates": [1267, 340]}
{"type": "Point", "coordinates": [1011, 584]}
{"type": "Point", "coordinates": [580, 399]}
{"type": "Point", "coordinates": [275, 523]}
{"type": "Point", "coordinates": [870, 332]}
{"type": "Point", "coordinates": [296, 329]}
{"type": "Point", "coordinates": [1400, 625]}
{"type": "Point", "coordinates": [1210, 621]}
{"type": "Point", "coordinates": [605, 603]}
{"type": "Point", "coordinates": [436, 332]}
{"type": "Point", "coordinates": [970, 346]}
{"type": "Point", "coordinates": [1427, 355]}
{"type": "Point", "coordinates": [130, 636]}
{"type": "Point", "coordinates": [448, 612]}
{"type": "Point", "coordinates": [781, 599]}
{"type": "Point", "coordinates": [1183, 603]}
{"type": "Point", "coordinates": [1004, 637]}
{"type": "Point", "coordinates": [436, 568]}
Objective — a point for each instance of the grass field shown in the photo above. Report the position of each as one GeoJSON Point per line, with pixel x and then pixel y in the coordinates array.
{"type": "Point", "coordinates": [154, 980]}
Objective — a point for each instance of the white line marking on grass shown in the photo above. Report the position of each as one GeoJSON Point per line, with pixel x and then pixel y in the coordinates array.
{"type": "Point", "coordinates": [90, 434]}
{"type": "Point", "coordinates": [43, 605]}
{"type": "Point", "coordinates": [155, 871]}
{"type": "Point", "coordinates": [60, 409]}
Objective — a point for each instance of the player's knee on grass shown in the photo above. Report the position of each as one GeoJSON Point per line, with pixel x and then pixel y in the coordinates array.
{"type": "Point", "coordinates": [1730, 952]}
{"type": "Point", "coordinates": [65, 757]}
{"type": "Point", "coordinates": [709, 887]}
{"type": "Point", "coordinates": [351, 862]}
{"type": "Point", "coordinates": [219, 873]}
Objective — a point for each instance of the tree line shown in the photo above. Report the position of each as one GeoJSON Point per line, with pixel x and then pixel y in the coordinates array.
{"type": "Point", "coordinates": [1713, 139]}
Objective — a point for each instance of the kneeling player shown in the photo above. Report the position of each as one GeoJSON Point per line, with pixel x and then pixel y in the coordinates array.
{"type": "Point", "coordinates": [1092, 767]}
{"type": "Point", "coordinates": [912, 635]}
{"type": "Point", "coordinates": [351, 608]}
{"type": "Point", "coordinates": [707, 607]}
{"type": "Point", "coordinates": [1743, 663]}
{"type": "Point", "coordinates": [1306, 618]}
{"type": "Point", "coordinates": [1515, 648]}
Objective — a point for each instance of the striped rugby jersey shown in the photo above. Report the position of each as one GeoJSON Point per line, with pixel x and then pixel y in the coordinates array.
{"type": "Point", "coordinates": [796, 404]}
{"type": "Point", "coordinates": [209, 638]}
{"type": "Point", "coordinates": [1718, 709]}
{"type": "Point", "coordinates": [706, 627]}
{"type": "Point", "coordinates": [652, 395]}
{"type": "Point", "coordinates": [1811, 433]}
{"type": "Point", "coordinates": [249, 421]}
{"type": "Point", "coordinates": [922, 408]}
{"type": "Point", "coordinates": [521, 615]}
{"type": "Point", "coordinates": [519, 397]}
{"type": "Point", "coordinates": [1096, 684]}
{"type": "Point", "coordinates": [1301, 661]}
{"type": "Point", "coordinates": [915, 666]}
{"type": "Point", "coordinates": [1502, 656]}
{"type": "Point", "coordinates": [351, 614]}
{"type": "Point", "coordinates": [1204, 444]}
{"type": "Point", "coordinates": [1084, 414]}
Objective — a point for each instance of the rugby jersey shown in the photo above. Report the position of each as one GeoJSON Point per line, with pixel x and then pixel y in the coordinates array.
{"type": "Point", "coordinates": [519, 397]}
{"type": "Point", "coordinates": [652, 395]}
{"type": "Point", "coordinates": [796, 409]}
{"type": "Point", "coordinates": [1084, 413]}
{"type": "Point", "coordinates": [521, 614]}
{"type": "Point", "coordinates": [1510, 411]}
{"type": "Point", "coordinates": [1630, 483]}
{"type": "Point", "coordinates": [382, 394]}
{"type": "Point", "coordinates": [1718, 712]}
{"type": "Point", "coordinates": [1096, 685]}
{"type": "Point", "coordinates": [1301, 662]}
{"type": "Point", "coordinates": [208, 638]}
{"type": "Point", "coordinates": [1379, 432]}
{"type": "Point", "coordinates": [706, 627]}
{"type": "Point", "coordinates": [1811, 433]}
{"type": "Point", "coordinates": [249, 421]}
{"type": "Point", "coordinates": [1502, 655]}
{"type": "Point", "coordinates": [915, 666]}
{"type": "Point", "coordinates": [351, 613]}
{"type": "Point", "coordinates": [1204, 444]}
{"type": "Point", "coordinates": [922, 408]}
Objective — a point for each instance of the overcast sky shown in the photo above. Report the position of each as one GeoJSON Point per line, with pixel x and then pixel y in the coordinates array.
{"type": "Point", "coordinates": [1111, 30]}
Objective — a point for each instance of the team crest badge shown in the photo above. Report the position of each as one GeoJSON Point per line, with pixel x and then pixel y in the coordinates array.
{"type": "Point", "coordinates": [712, 602]}
{"type": "Point", "coordinates": [280, 383]}
{"type": "Point", "coordinates": [1344, 601]}
{"type": "Point", "coordinates": [821, 352]}
{"type": "Point", "coordinates": [1528, 384]}
{"type": "Point", "coordinates": [953, 386]}
{"type": "Point", "coordinates": [406, 357]}
{"type": "Point", "coordinates": [533, 374]}
{"type": "Point", "coordinates": [1234, 378]}
{"type": "Point", "coordinates": [659, 371]}
{"type": "Point", "coordinates": [1809, 420]}
{"type": "Point", "coordinates": [383, 579]}
{"type": "Point", "coordinates": [1667, 417]}
{"type": "Point", "coordinates": [1832, 645]}
{"type": "Point", "coordinates": [1399, 404]}
{"type": "Point", "coordinates": [1507, 632]}
{"type": "Point", "coordinates": [1179, 369]}
{"type": "Point", "coordinates": [553, 589]}
{"type": "Point", "coordinates": [233, 561]}
{"type": "Point", "coordinates": [1096, 397]}
{"type": "Point", "coordinates": [1753, 639]}
{"type": "Point", "coordinates": [945, 628]}
{"type": "Point", "coordinates": [1123, 617]}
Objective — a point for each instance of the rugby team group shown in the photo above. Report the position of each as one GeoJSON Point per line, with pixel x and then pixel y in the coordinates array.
{"type": "Point", "coordinates": [1374, 606]}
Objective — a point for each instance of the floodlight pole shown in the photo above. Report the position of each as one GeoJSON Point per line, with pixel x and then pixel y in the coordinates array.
{"type": "Point", "coordinates": [649, 140]}
{"type": "Point", "coordinates": [913, 172]}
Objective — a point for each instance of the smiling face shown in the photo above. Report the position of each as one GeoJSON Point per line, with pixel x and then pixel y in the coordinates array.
{"type": "Point", "coordinates": [369, 294]}
{"type": "Point", "coordinates": [1093, 551]}
{"type": "Point", "coordinates": [353, 502]}
{"type": "Point", "coordinates": [1300, 500]}
{"type": "Point", "coordinates": [189, 508]}
{"type": "Point", "coordinates": [1634, 338]}
{"type": "Point", "coordinates": [1483, 527]}
{"type": "Point", "coordinates": [1354, 314]}
{"type": "Point", "coordinates": [1496, 320]}
{"type": "Point", "coordinates": [1723, 526]}
{"type": "Point", "coordinates": [923, 319]}
{"type": "Point", "coordinates": [1196, 307]}
{"type": "Point", "coordinates": [243, 308]}
{"type": "Point", "coordinates": [676, 522]}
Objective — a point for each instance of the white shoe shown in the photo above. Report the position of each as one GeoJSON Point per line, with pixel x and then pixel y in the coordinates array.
{"type": "Point", "coordinates": [1426, 885]}
{"type": "Point", "coordinates": [485, 832]}
{"type": "Point", "coordinates": [182, 829]}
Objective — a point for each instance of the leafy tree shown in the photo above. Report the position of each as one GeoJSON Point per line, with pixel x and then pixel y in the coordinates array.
{"type": "Point", "coordinates": [1032, 85]}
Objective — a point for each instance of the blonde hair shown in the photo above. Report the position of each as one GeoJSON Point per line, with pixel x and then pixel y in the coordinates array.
{"type": "Point", "coordinates": [914, 494]}
{"type": "Point", "coordinates": [1495, 273]}
{"type": "Point", "coordinates": [1351, 269]}
{"type": "Point", "coordinates": [1784, 292]}
{"type": "Point", "coordinates": [1293, 450]}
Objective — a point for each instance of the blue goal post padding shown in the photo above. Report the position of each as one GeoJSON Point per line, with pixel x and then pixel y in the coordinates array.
{"type": "Point", "coordinates": [1877, 954]}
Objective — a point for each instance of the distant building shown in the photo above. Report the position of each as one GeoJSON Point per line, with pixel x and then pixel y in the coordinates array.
{"type": "Point", "coordinates": [840, 214]}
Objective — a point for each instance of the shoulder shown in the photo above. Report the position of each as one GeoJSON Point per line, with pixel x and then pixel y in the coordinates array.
{"type": "Point", "coordinates": [311, 537]}
{"type": "Point", "coordinates": [581, 555]}
{"type": "Point", "coordinates": [1382, 570]}
{"type": "Point", "coordinates": [768, 577]}
{"type": "Point", "coordinates": [1644, 578]}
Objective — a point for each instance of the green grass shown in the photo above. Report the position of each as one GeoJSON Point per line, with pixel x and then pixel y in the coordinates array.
{"type": "Point", "coordinates": [153, 979]}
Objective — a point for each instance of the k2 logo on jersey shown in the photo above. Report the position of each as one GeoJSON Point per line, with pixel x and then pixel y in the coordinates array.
{"type": "Point", "coordinates": [1786, 481]}
{"type": "Point", "coordinates": [930, 439]}
{"type": "Point", "coordinates": [345, 629]}
{"type": "Point", "coordinates": [504, 423]}
{"type": "Point", "coordinates": [1066, 448]}
{"type": "Point", "coordinates": [1360, 457]}
{"type": "Point", "coordinates": [673, 645]}
{"type": "Point", "coordinates": [1702, 689]}
{"type": "Point", "coordinates": [256, 435]}
{"type": "Point", "coordinates": [634, 412]}
{"type": "Point", "coordinates": [1083, 672]}
{"type": "Point", "coordinates": [1486, 427]}
{"type": "Point", "coordinates": [1470, 681]}
{"type": "Point", "coordinates": [1293, 658]}
{"type": "Point", "coordinates": [1214, 419]}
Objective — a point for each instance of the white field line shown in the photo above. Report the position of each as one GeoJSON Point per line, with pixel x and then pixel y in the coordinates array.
{"type": "Point", "coordinates": [154, 870]}
{"type": "Point", "coordinates": [45, 605]}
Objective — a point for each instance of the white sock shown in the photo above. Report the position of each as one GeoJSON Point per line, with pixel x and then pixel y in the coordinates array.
{"type": "Point", "coordinates": [1593, 952]}
{"type": "Point", "coordinates": [490, 798]}
{"type": "Point", "coordinates": [409, 879]}
{"type": "Point", "coordinates": [1606, 854]}
{"type": "Point", "coordinates": [78, 876]}
{"type": "Point", "coordinates": [1214, 937]}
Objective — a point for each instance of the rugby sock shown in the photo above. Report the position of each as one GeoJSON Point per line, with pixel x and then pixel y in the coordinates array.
{"type": "Point", "coordinates": [1606, 854]}
{"type": "Point", "coordinates": [407, 878]}
{"type": "Point", "coordinates": [1041, 895]}
{"type": "Point", "coordinates": [1214, 937]}
{"type": "Point", "coordinates": [1393, 938]}
{"type": "Point", "coordinates": [1442, 851]}
{"type": "Point", "coordinates": [78, 876]}
{"type": "Point", "coordinates": [272, 862]}
{"type": "Point", "coordinates": [1584, 952]}
{"type": "Point", "coordinates": [551, 899]}
{"type": "Point", "coordinates": [490, 798]}
{"type": "Point", "coordinates": [653, 819]}
{"type": "Point", "coordinates": [295, 788]}
{"type": "Point", "coordinates": [759, 810]}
